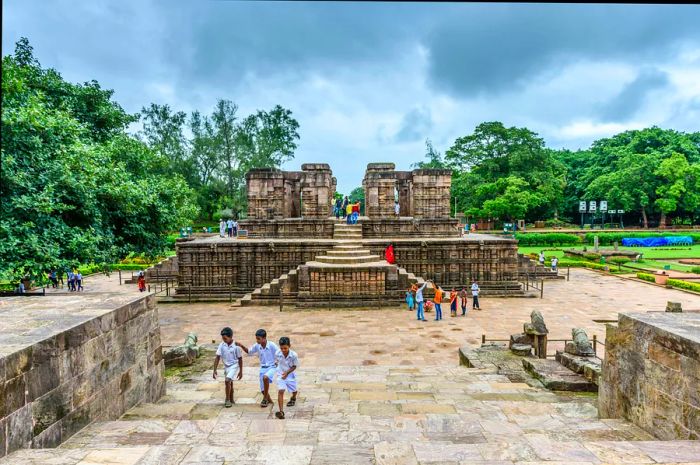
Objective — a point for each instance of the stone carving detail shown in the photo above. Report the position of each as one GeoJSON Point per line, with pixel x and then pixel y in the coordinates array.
{"type": "Point", "coordinates": [184, 354]}
{"type": "Point", "coordinates": [674, 307]}
{"type": "Point", "coordinates": [580, 345]}
{"type": "Point", "coordinates": [536, 325]}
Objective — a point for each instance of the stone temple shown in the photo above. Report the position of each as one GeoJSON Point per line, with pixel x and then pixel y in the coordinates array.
{"type": "Point", "coordinates": [295, 247]}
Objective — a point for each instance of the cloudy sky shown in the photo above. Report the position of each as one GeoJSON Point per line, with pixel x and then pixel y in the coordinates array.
{"type": "Point", "coordinates": [371, 81]}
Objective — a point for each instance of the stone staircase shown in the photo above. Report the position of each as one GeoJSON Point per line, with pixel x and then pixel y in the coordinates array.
{"type": "Point", "coordinates": [380, 415]}
{"type": "Point", "coordinates": [347, 232]}
{"type": "Point", "coordinates": [348, 254]}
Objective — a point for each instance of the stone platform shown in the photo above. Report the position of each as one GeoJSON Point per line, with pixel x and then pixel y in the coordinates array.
{"type": "Point", "coordinates": [68, 360]}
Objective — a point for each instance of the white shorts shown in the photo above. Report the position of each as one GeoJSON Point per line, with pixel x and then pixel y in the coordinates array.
{"type": "Point", "coordinates": [269, 372]}
{"type": "Point", "coordinates": [289, 384]}
{"type": "Point", "coordinates": [231, 372]}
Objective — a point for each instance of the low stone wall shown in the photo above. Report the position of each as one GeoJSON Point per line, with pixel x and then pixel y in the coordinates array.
{"type": "Point", "coordinates": [291, 228]}
{"type": "Point", "coordinates": [65, 363]}
{"type": "Point", "coordinates": [651, 373]}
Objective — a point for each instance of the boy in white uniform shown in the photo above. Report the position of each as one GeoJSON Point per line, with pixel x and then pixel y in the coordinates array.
{"type": "Point", "coordinates": [266, 351]}
{"type": "Point", "coordinates": [231, 354]}
{"type": "Point", "coordinates": [287, 362]}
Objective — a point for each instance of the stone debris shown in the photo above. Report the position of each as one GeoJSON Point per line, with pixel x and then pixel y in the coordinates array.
{"type": "Point", "coordinates": [184, 354]}
{"type": "Point", "coordinates": [580, 344]}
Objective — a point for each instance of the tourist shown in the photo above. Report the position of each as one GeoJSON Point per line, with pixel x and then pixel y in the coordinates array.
{"type": "Point", "coordinates": [438, 301]}
{"type": "Point", "coordinates": [555, 262]}
{"type": "Point", "coordinates": [20, 287]}
{"type": "Point", "coordinates": [266, 352]}
{"type": "Point", "coordinates": [409, 299]}
{"type": "Point", "coordinates": [71, 281]}
{"type": "Point", "coordinates": [222, 228]}
{"type": "Point", "coordinates": [235, 228]}
{"type": "Point", "coordinates": [414, 288]}
{"type": "Point", "coordinates": [419, 300]}
{"type": "Point", "coordinates": [53, 279]}
{"type": "Point", "coordinates": [141, 281]}
{"type": "Point", "coordinates": [59, 276]}
{"type": "Point", "coordinates": [338, 206]}
{"type": "Point", "coordinates": [453, 302]}
{"type": "Point", "coordinates": [397, 208]}
{"type": "Point", "coordinates": [345, 206]}
{"type": "Point", "coordinates": [348, 212]}
{"type": "Point", "coordinates": [287, 362]}
{"type": "Point", "coordinates": [475, 295]}
{"type": "Point", "coordinates": [229, 227]}
{"type": "Point", "coordinates": [355, 212]}
{"type": "Point", "coordinates": [542, 257]}
{"type": "Point", "coordinates": [79, 281]}
{"type": "Point", "coordinates": [463, 300]}
{"type": "Point", "coordinates": [231, 354]}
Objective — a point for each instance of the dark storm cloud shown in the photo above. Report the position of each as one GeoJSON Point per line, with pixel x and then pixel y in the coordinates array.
{"type": "Point", "coordinates": [414, 125]}
{"type": "Point", "coordinates": [488, 49]}
{"type": "Point", "coordinates": [624, 105]}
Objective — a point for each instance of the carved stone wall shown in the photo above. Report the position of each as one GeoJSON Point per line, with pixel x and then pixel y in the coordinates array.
{"type": "Point", "coordinates": [317, 189]}
{"type": "Point", "coordinates": [431, 193]}
{"type": "Point", "coordinates": [391, 228]}
{"type": "Point", "coordinates": [379, 184]}
{"type": "Point", "coordinates": [266, 193]}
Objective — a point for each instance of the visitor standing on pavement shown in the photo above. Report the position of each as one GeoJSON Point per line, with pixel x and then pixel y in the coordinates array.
{"type": "Point", "coordinates": [542, 257]}
{"type": "Point", "coordinates": [266, 351]}
{"type": "Point", "coordinates": [463, 296]}
{"type": "Point", "coordinates": [409, 299]}
{"type": "Point", "coordinates": [222, 228]}
{"type": "Point", "coordinates": [475, 295]}
{"type": "Point", "coordinates": [419, 300]}
{"type": "Point", "coordinates": [453, 302]}
{"type": "Point", "coordinates": [235, 228]}
{"type": "Point", "coordinates": [79, 281]}
{"type": "Point", "coordinates": [232, 357]}
{"type": "Point", "coordinates": [438, 301]}
{"type": "Point", "coordinates": [141, 281]}
{"type": "Point", "coordinates": [229, 227]}
{"type": "Point", "coordinates": [414, 288]}
{"type": "Point", "coordinates": [71, 281]}
{"type": "Point", "coordinates": [555, 262]}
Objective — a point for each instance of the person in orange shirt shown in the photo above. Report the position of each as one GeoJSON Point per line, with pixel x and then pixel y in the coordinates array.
{"type": "Point", "coordinates": [413, 290]}
{"type": "Point", "coordinates": [453, 302]}
{"type": "Point", "coordinates": [438, 301]}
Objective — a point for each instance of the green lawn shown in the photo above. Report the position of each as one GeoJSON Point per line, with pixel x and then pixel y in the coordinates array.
{"type": "Point", "coordinates": [653, 257]}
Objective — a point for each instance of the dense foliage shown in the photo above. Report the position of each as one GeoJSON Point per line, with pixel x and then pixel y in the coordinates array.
{"type": "Point", "coordinates": [75, 187]}
{"type": "Point", "coordinates": [554, 239]}
{"type": "Point", "coordinates": [502, 173]}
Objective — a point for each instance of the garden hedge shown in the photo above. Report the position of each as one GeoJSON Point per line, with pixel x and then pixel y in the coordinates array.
{"type": "Point", "coordinates": [646, 277]}
{"type": "Point", "coordinates": [684, 284]}
{"type": "Point", "coordinates": [544, 239]}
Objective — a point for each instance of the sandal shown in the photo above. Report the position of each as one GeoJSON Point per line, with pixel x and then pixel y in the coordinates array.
{"type": "Point", "coordinates": [280, 415]}
{"type": "Point", "coordinates": [291, 402]}
{"type": "Point", "coordinates": [264, 403]}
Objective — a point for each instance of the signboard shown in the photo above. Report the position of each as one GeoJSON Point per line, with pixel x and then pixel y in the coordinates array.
{"type": "Point", "coordinates": [582, 206]}
{"type": "Point", "coordinates": [591, 206]}
{"type": "Point", "coordinates": [621, 212]}
{"type": "Point", "coordinates": [612, 212]}
{"type": "Point", "coordinates": [603, 205]}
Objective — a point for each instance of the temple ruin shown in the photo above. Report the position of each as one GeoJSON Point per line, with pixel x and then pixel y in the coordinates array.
{"type": "Point", "coordinates": [296, 249]}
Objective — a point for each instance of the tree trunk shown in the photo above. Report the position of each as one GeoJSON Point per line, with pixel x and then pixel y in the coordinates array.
{"type": "Point", "coordinates": [662, 221]}
{"type": "Point", "coordinates": [645, 219]}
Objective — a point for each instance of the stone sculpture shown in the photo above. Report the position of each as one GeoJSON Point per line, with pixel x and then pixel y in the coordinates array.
{"type": "Point", "coordinates": [580, 345]}
{"type": "Point", "coordinates": [536, 325]}
{"type": "Point", "coordinates": [184, 354]}
{"type": "Point", "coordinates": [674, 307]}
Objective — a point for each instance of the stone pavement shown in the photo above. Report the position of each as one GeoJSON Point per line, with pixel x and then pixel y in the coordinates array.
{"type": "Point", "coordinates": [378, 387]}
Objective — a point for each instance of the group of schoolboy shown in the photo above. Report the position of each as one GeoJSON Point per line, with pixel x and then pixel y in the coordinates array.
{"type": "Point", "coordinates": [277, 363]}
{"type": "Point", "coordinates": [415, 300]}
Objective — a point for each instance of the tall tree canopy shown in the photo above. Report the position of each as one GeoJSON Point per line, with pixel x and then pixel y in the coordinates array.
{"type": "Point", "coordinates": [75, 187]}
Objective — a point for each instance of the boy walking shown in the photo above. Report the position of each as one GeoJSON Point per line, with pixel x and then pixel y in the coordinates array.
{"type": "Point", "coordinates": [266, 352]}
{"type": "Point", "coordinates": [438, 302]}
{"type": "Point", "coordinates": [230, 353]}
{"type": "Point", "coordinates": [475, 295]}
{"type": "Point", "coordinates": [287, 362]}
{"type": "Point", "coordinates": [79, 280]}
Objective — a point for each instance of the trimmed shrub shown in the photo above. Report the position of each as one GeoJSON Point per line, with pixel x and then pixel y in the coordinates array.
{"type": "Point", "coordinates": [695, 269]}
{"type": "Point", "coordinates": [547, 239]}
{"type": "Point", "coordinates": [618, 260]}
{"type": "Point", "coordinates": [695, 287]}
{"type": "Point", "coordinates": [646, 277]}
{"type": "Point", "coordinates": [594, 257]}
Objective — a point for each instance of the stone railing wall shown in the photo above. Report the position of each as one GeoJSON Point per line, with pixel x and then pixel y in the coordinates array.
{"type": "Point", "coordinates": [292, 228]}
{"type": "Point", "coordinates": [651, 373]}
{"type": "Point", "coordinates": [95, 370]}
{"type": "Point", "coordinates": [408, 227]}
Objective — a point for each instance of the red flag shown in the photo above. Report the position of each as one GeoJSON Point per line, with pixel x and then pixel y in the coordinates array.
{"type": "Point", "coordinates": [389, 254]}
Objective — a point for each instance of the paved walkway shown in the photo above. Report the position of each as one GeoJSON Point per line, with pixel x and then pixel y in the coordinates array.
{"type": "Point", "coordinates": [378, 387]}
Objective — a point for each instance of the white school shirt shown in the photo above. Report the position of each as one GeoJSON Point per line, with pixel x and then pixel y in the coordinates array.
{"type": "Point", "coordinates": [266, 354]}
{"type": "Point", "coordinates": [555, 261]}
{"type": "Point", "coordinates": [475, 289]}
{"type": "Point", "coordinates": [286, 363]}
{"type": "Point", "coordinates": [229, 223]}
{"type": "Point", "coordinates": [229, 353]}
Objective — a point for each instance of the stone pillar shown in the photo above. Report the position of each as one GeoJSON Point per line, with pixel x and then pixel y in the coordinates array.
{"type": "Point", "coordinates": [266, 192]}
{"type": "Point", "coordinates": [403, 185]}
{"type": "Point", "coordinates": [317, 190]}
{"type": "Point", "coordinates": [292, 194]}
{"type": "Point", "coordinates": [431, 193]}
{"type": "Point", "coordinates": [380, 188]}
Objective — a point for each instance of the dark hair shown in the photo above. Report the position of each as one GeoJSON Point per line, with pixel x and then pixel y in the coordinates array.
{"type": "Point", "coordinates": [284, 341]}
{"type": "Point", "coordinates": [227, 332]}
{"type": "Point", "coordinates": [260, 333]}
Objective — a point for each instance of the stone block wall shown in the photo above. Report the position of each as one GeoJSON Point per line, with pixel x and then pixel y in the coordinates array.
{"type": "Point", "coordinates": [651, 373]}
{"type": "Point", "coordinates": [317, 190]}
{"type": "Point", "coordinates": [291, 228]}
{"type": "Point", "coordinates": [266, 193]}
{"type": "Point", "coordinates": [95, 370]}
{"type": "Point", "coordinates": [409, 227]}
{"type": "Point", "coordinates": [379, 185]}
{"type": "Point", "coordinates": [431, 193]}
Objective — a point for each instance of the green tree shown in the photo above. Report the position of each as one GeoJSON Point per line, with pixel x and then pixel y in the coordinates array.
{"type": "Point", "coordinates": [435, 159]}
